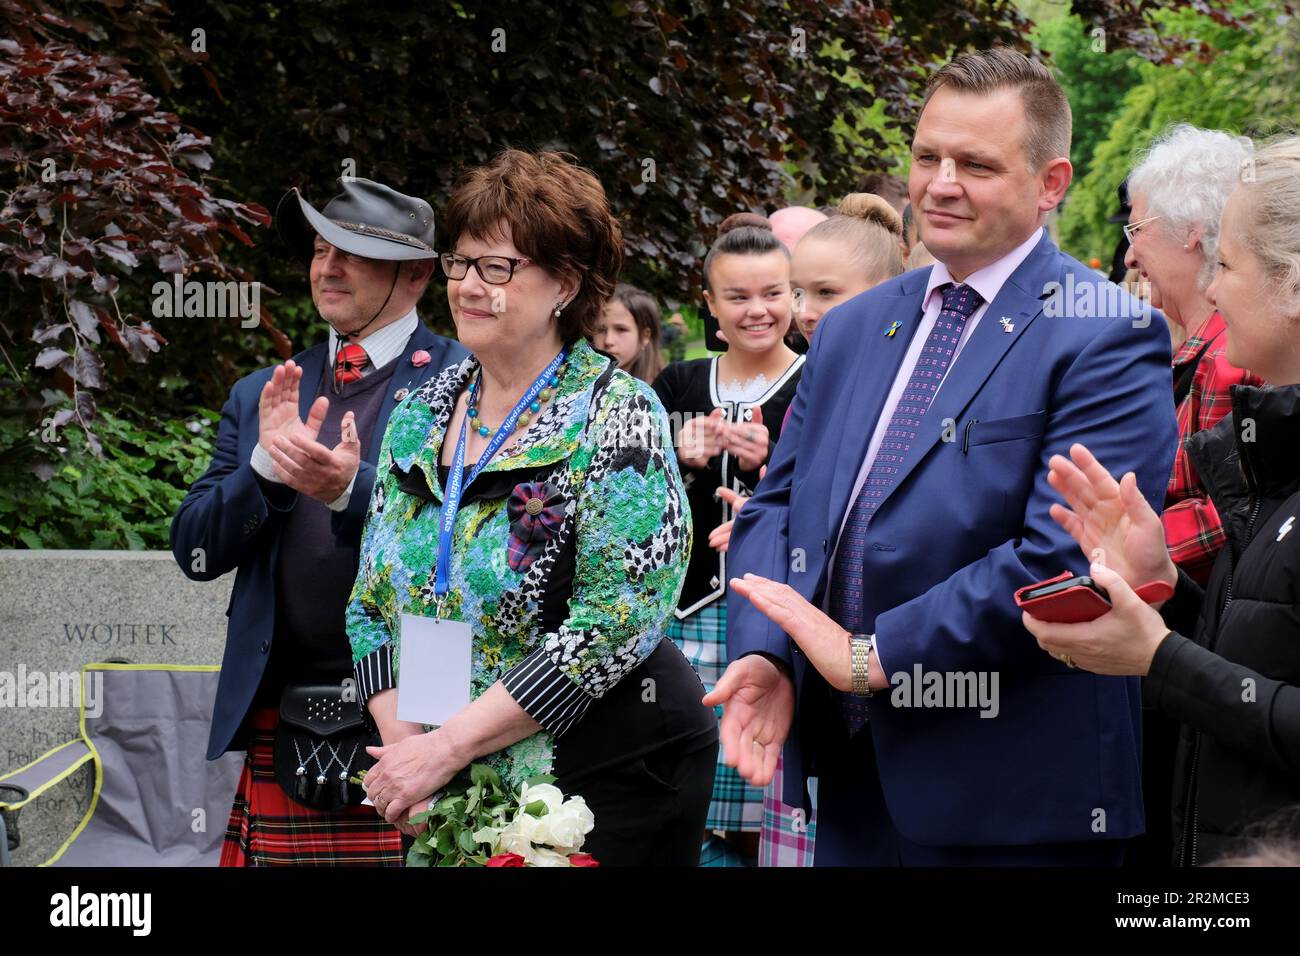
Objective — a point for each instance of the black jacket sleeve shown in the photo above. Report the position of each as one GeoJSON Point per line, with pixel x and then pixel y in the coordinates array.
{"type": "Point", "coordinates": [1182, 611]}
{"type": "Point", "coordinates": [1231, 703]}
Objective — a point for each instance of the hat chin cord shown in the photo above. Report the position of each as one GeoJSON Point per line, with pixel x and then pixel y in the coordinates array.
{"type": "Point", "coordinates": [392, 288]}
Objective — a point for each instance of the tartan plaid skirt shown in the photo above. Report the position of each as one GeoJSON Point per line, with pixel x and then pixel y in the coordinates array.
{"type": "Point", "coordinates": [736, 805]}
{"type": "Point", "coordinates": [267, 828]}
{"type": "Point", "coordinates": [786, 838]}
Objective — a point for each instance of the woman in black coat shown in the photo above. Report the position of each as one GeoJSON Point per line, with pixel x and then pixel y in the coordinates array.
{"type": "Point", "coordinates": [1234, 685]}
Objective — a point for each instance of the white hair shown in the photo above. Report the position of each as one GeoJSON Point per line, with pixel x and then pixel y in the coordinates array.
{"type": "Point", "coordinates": [1185, 177]}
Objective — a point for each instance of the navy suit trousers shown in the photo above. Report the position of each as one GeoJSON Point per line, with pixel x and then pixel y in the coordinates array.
{"type": "Point", "coordinates": [854, 826]}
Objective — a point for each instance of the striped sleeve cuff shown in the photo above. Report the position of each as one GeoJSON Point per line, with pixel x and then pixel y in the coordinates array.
{"type": "Point", "coordinates": [374, 673]}
{"type": "Point", "coordinates": [546, 693]}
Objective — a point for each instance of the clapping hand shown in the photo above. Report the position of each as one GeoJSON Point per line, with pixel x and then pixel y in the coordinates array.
{"type": "Point", "coordinates": [706, 437]}
{"type": "Point", "coordinates": [701, 439]}
{"type": "Point", "coordinates": [1111, 521]}
{"type": "Point", "coordinates": [301, 462]}
{"type": "Point", "coordinates": [1125, 543]}
{"type": "Point", "coordinates": [757, 701]}
{"type": "Point", "coordinates": [747, 440]}
{"type": "Point", "coordinates": [827, 646]}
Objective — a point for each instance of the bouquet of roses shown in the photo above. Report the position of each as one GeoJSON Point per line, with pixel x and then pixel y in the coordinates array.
{"type": "Point", "coordinates": [476, 821]}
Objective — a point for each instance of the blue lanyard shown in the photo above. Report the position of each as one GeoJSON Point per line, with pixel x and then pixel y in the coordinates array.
{"type": "Point", "coordinates": [451, 501]}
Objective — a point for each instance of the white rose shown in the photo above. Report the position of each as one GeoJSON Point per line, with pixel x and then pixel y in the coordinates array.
{"type": "Point", "coordinates": [544, 857]}
{"type": "Point", "coordinates": [518, 837]}
{"type": "Point", "coordinates": [567, 826]}
{"type": "Point", "coordinates": [545, 792]}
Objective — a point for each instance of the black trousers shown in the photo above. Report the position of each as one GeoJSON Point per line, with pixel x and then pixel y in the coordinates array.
{"type": "Point", "coordinates": [649, 811]}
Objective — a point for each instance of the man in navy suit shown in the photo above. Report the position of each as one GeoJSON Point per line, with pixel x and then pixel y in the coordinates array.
{"type": "Point", "coordinates": [907, 501]}
{"type": "Point", "coordinates": [284, 500]}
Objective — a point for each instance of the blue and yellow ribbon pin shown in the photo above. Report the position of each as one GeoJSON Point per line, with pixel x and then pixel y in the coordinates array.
{"type": "Point", "coordinates": [889, 332]}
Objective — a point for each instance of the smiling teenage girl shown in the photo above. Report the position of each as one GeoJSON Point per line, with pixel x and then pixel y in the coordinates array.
{"type": "Point", "coordinates": [726, 413]}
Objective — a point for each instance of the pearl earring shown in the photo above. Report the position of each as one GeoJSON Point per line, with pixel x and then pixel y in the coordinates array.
{"type": "Point", "coordinates": [557, 310]}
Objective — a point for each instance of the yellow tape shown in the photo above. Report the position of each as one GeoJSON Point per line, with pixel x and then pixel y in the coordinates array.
{"type": "Point", "coordinates": [67, 772]}
{"type": "Point", "coordinates": [204, 668]}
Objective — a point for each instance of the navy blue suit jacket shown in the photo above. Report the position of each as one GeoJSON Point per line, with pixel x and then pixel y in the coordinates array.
{"type": "Point", "coordinates": [965, 525]}
{"type": "Point", "coordinates": [236, 519]}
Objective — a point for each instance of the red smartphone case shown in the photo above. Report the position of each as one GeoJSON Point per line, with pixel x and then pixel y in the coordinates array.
{"type": "Point", "coordinates": [1078, 604]}
{"type": "Point", "coordinates": [1071, 606]}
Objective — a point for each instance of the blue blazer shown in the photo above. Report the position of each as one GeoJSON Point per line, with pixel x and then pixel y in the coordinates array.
{"type": "Point", "coordinates": [236, 519]}
{"type": "Point", "coordinates": [965, 525]}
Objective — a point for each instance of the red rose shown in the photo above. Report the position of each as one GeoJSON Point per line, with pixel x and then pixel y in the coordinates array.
{"type": "Point", "coordinates": [506, 859]}
{"type": "Point", "coordinates": [583, 859]}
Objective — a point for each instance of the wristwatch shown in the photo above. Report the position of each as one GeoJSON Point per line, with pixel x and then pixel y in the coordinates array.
{"type": "Point", "coordinates": [863, 645]}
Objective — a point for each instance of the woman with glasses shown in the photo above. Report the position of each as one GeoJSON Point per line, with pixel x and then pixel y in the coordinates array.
{"type": "Point", "coordinates": [1224, 660]}
{"type": "Point", "coordinates": [527, 501]}
{"type": "Point", "coordinates": [1177, 193]}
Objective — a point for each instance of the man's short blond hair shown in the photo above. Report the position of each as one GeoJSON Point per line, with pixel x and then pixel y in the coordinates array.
{"type": "Point", "coordinates": [1047, 110]}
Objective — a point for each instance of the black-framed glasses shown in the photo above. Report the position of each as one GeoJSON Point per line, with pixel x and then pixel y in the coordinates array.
{"type": "Point", "coordinates": [494, 270]}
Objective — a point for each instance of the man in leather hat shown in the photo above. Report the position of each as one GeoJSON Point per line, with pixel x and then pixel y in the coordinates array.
{"type": "Point", "coordinates": [283, 504]}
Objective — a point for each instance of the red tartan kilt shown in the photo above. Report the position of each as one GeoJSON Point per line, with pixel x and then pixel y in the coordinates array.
{"type": "Point", "coordinates": [267, 828]}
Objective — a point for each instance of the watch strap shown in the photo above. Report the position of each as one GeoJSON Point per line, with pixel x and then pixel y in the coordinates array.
{"type": "Point", "coordinates": [862, 646]}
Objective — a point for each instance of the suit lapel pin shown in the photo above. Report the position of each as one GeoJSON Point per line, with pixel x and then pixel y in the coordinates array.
{"type": "Point", "coordinates": [400, 394]}
{"type": "Point", "coordinates": [889, 332]}
{"type": "Point", "coordinates": [1006, 324]}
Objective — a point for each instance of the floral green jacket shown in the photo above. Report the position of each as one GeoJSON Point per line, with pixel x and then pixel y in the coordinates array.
{"type": "Point", "coordinates": [564, 596]}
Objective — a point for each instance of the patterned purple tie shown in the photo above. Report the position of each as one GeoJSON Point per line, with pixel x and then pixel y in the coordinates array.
{"type": "Point", "coordinates": [959, 303]}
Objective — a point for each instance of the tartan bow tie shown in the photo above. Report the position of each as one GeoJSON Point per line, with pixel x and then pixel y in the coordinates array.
{"type": "Point", "coordinates": [348, 363]}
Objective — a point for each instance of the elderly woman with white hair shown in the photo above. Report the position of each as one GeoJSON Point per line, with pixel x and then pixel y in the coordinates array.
{"type": "Point", "coordinates": [1177, 193]}
{"type": "Point", "coordinates": [1224, 660]}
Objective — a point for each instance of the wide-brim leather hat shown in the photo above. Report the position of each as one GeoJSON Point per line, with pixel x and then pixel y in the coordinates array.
{"type": "Point", "coordinates": [366, 219]}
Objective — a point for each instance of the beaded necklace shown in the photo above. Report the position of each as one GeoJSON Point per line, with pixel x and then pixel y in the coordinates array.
{"type": "Point", "coordinates": [544, 395]}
